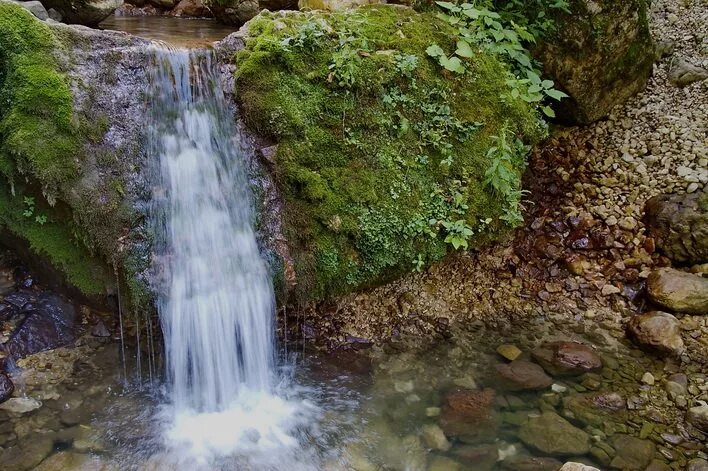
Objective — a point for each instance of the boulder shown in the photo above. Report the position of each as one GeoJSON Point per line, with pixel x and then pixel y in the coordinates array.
{"type": "Point", "coordinates": [600, 54]}
{"type": "Point", "coordinates": [632, 453]}
{"type": "Point", "coordinates": [522, 375]}
{"type": "Point", "coordinates": [83, 12]}
{"type": "Point", "coordinates": [237, 12]}
{"type": "Point", "coordinates": [679, 226]}
{"type": "Point", "coordinates": [6, 387]}
{"type": "Point", "coordinates": [697, 464]}
{"type": "Point", "coordinates": [698, 416]}
{"type": "Point", "coordinates": [36, 8]}
{"type": "Point", "coordinates": [552, 434]}
{"type": "Point", "coordinates": [191, 8]}
{"type": "Point", "coordinates": [48, 323]}
{"type": "Point", "coordinates": [678, 291]}
{"type": "Point", "coordinates": [531, 463]}
{"type": "Point", "coordinates": [567, 358]}
{"type": "Point", "coordinates": [469, 415]}
{"type": "Point", "coordinates": [656, 331]}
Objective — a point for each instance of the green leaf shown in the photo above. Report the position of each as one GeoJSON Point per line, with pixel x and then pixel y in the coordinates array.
{"type": "Point", "coordinates": [556, 94]}
{"type": "Point", "coordinates": [548, 111]}
{"type": "Point", "coordinates": [435, 51]}
{"type": "Point", "coordinates": [452, 64]}
{"type": "Point", "coordinates": [464, 49]}
{"type": "Point", "coordinates": [448, 6]}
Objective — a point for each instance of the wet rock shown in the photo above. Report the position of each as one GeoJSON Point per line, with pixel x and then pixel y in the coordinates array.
{"type": "Point", "coordinates": [679, 226]}
{"type": "Point", "coordinates": [483, 457]}
{"type": "Point", "coordinates": [509, 351]}
{"type": "Point", "coordinates": [194, 8]}
{"type": "Point", "coordinates": [678, 291]}
{"type": "Point", "coordinates": [677, 385]}
{"type": "Point", "coordinates": [36, 8]}
{"type": "Point", "coordinates": [632, 453]}
{"type": "Point", "coordinates": [567, 358]}
{"type": "Point", "coordinates": [523, 375]}
{"type": "Point", "coordinates": [48, 324]}
{"type": "Point", "coordinates": [684, 73]}
{"type": "Point", "coordinates": [697, 464]}
{"type": "Point", "coordinates": [552, 434]}
{"type": "Point", "coordinates": [531, 463]}
{"type": "Point", "coordinates": [657, 331]}
{"type": "Point", "coordinates": [698, 416]}
{"type": "Point", "coordinates": [657, 465]}
{"type": "Point", "coordinates": [6, 387]}
{"type": "Point", "coordinates": [28, 454]}
{"type": "Point", "coordinates": [469, 415]}
{"type": "Point", "coordinates": [20, 405]}
{"type": "Point", "coordinates": [595, 408]}
{"type": "Point", "coordinates": [572, 466]}
{"type": "Point", "coordinates": [84, 12]}
{"type": "Point", "coordinates": [434, 438]}
{"type": "Point", "coordinates": [66, 460]}
{"type": "Point", "coordinates": [443, 463]}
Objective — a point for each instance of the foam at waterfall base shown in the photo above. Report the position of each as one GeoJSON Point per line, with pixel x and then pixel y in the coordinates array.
{"type": "Point", "coordinates": [258, 426]}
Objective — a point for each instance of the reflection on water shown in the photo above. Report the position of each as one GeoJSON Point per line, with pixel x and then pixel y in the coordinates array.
{"type": "Point", "coordinates": [181, 32]}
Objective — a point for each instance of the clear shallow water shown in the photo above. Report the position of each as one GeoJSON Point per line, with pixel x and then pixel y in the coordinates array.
{"type": "Point", "coordinates": [179, 32]}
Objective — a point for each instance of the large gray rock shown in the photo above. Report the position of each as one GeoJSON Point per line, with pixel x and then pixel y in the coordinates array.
{"type": "Point", "coordinates": [657, 331]}
{"type": "Point", "coordinates": [679, 226]}
{"type": "Point", "coordinates": [698, 416]}
{"type": "Point", "coordinates": [684, 73]}
{"type": "Point", "coordinates": [84, 12]}
{"type": "Point", "coordinates": [678, 291]}
{"type": "Point", "coordinates": [552, 434]}
{"type": "Point", "coordinates": [601, 54]}
{"type": "Point", "coordinates": [35, 7]}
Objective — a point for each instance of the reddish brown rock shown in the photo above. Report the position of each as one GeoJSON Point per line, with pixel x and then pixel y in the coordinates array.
{"type": "Point", "coordinates": [656, 331]}
{"type": "Point", "coordinates": [469, 415]}
{"type": "Point", "coordinates": [567, 358]}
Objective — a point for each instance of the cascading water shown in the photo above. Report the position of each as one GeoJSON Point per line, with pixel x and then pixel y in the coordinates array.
{"type": "Point", "coordinates": [216, 303]}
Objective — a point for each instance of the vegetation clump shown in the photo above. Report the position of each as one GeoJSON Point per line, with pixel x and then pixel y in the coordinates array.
{"type": "Point", "coordinates": [40, 146]}
{"type": "Point", "coordinates": [386, 159]}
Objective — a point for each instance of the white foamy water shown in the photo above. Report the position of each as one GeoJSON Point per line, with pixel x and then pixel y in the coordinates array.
{"type": "Point", "coordinates": [216, 305]}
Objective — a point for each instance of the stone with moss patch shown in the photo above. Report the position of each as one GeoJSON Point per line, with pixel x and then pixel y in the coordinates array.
{"type": "Point", "coordinates": [382, 155]}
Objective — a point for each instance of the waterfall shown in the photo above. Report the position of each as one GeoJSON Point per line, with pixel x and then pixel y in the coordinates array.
{"type": "Point", "coordinates": [216, 301]}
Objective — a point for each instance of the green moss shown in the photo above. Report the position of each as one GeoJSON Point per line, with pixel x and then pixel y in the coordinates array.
{"type": "Point", "coordinates": [378, 146]}
{"type": "Point", "coordinates": [53, 239]}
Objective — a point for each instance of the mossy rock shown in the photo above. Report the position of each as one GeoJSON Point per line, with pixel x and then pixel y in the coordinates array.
{"type": "Point", "coordinates": [377, 145]}
{"type": "Point", "coordinates": [601, 54]}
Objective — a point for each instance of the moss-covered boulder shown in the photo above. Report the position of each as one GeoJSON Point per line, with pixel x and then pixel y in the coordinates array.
{"type": "Point", "coordinates": [68, 146]}
{"type": "Point", "coordinates": [600, 53]}
{"type": "Point", "coordinates": [385, 161]}
{"type": "Point", "coordinates": [84, 12]}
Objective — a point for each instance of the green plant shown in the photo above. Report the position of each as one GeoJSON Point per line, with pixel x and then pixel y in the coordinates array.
{"type": "Point", "coordinates": [503, 175]}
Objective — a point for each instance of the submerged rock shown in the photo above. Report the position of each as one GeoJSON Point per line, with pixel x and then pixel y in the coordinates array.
{"type": "Point", "coordinates": [469, 415]}
{"type": "Point", "coordinates": [595, 408]}
{"type": "Point", "coordinates": [28, 453]}
{"type": "Point", "coordinates": [523, 375]}
{"type": "Point", "coordinates": [573, 466]}
{"type": "Point", "coordinates": [531, 463]}
{"type": "Point", "coordinates": [601, 54]}
{"type": "Point", "coordinates": [567, 358]}
{"type": "Point", "coordinates": [20, 405]}
{"type": "Point", "coordinates": [678, 291]}
{"type": "Point", "coordinates": [552, 434]}
{"type": "Point", "coordinates": [679, 226]}
{"type": "Point", "coordinates": [657, 331]}
{"type": "Point", "coordinates": [632, 453]}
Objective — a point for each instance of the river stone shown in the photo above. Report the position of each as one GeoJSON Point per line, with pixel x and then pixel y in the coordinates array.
{"type": "Point", "coordinates": [509, 351]}
{"type": "Point", "coordinates": [84, 12]}
{"type": "Point", "coordinates": [596, 408]}
{"type": "Point", "coordinates": [698, 464]}
{"type": "Point", "coordinates": [657, 465]}
{"type": "Point", "coordinates": [48, 323]}
{"type": "Point", "coordinates": [698, 416]}
{"type": "Point", "coordinates": [6, 387]}
{"type": "Point", "coordinates": [31, 450]}
{"type": "Point", "coordinates": [434, 437]}
{"type": "Point", "coordinates": [601, 54]}
{"type": "Point", "coordinates": [678, 291]}
{"type": "Point", "coordinates": [531, 463]}
{"type": "Point", "coordinates": [684, 73]}
{"type": "Point", "coordinates": [632, 453]}
{"type": "Point", "coordinates": [572, 466]}
{"type": "Point", "coordinates": [679, 226]}
{"type": "Point", "coordinates": [192, 8]}
{"type": "Point", "coordinates": [657, 331]}
{"type": "Point", "coordinates": [567, 358]}
{"type": "Point", "coordinates": [35, 7]}
{"type": "Point", "coordinates": [552, 434]}
{"type": "Point", "coordinates": [469, 415]}
{"type": "Point", "coordinates": [20, 405]}
{"type": "Point", "coordinates": [66, 460]}
{"type": "Point", "coordinates": [522, 375]}
{"type": "Point", "coordinates": [482, 458]}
